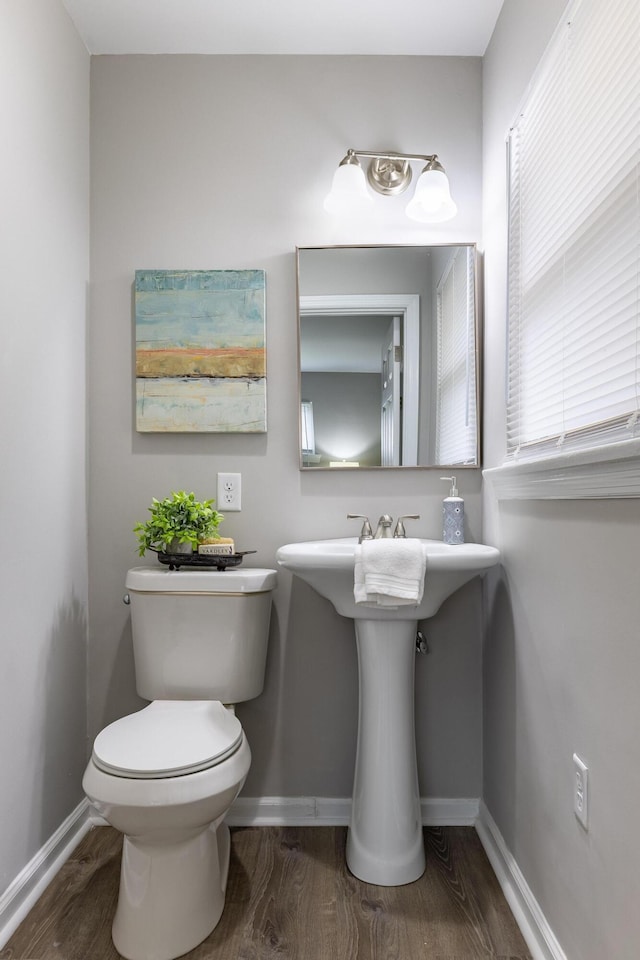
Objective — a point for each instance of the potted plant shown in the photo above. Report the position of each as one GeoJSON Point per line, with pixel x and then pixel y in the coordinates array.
{"type": "Point", "coordinates": [177, 524]}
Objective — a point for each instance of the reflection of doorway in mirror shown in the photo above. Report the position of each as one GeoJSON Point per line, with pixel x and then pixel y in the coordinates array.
{"type": "Point", "coordinates": [342, 338]}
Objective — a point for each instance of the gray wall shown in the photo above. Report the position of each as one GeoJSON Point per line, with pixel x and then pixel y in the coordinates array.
{"type": "Point", "coordinates": [223, 162]}
{"type": "Point", "coordinates": [561, 657]}
{"type": "Point", "coordinates": [44, 247]}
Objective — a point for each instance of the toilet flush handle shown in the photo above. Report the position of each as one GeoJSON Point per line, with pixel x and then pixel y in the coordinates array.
{"type": "Point", "coordinates": [126, 599]}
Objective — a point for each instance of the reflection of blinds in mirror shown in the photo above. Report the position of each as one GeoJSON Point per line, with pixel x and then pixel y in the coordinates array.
{"type": "Point", "coordinates": [307, 435]}
{"type": "Point", "coordinates": [456, 429]}
{"type": "Point", "coordinates": [574, 229]}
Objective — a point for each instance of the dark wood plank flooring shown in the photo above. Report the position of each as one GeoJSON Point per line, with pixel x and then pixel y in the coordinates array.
{"type": "Point", "coordinates": [291, 897]}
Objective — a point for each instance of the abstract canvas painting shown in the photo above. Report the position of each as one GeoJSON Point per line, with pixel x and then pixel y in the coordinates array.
{"type": "Point", "coordinates": [200, 351]}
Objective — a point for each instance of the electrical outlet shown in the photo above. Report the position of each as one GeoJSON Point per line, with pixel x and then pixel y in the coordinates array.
{"type": "Point", "coordinates": [229, 492]}
{"type": "Point", "coordinates": [581, 790]}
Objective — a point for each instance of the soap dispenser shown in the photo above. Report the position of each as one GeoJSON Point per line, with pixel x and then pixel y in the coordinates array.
{"type": "Point", "coordinates": [452, 515]}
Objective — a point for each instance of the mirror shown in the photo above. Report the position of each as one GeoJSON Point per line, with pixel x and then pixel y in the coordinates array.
{"type": "Point", "coordinates": [388, 356]}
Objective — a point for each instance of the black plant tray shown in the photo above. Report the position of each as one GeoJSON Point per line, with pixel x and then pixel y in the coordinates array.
{"type": "Point", "coordinates": [203, 560]}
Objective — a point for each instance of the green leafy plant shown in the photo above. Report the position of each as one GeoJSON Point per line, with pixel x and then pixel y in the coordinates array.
{"type": "Point", "coordinates": [179, 517]}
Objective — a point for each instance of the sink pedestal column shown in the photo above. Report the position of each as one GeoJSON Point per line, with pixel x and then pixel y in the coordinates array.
{"type": "Point", "coordinates": [385, 843]}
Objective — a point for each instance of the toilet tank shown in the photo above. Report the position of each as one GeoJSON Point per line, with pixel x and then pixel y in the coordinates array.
{"type": "Point", "coordinates": [200, 634]}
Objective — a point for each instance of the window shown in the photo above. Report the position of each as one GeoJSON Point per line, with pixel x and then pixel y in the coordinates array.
{"type": "Point", "coordinates": [307, 432]}
{"type": "Point", "coordinates": [574, 240]}
{"type": "Point", "coordinates": [456, 431]}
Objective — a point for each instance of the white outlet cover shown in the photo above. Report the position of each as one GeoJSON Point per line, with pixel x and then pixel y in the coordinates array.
{"type": "Point", "coordinates": [229, 496]}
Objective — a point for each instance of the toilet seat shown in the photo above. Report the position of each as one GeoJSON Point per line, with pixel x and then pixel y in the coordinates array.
{"type": "Point", "coordinates": [168, 738]}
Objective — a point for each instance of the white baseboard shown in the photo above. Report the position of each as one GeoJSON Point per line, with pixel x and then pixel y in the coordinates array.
{"type": "Point", "coordinates": [336, 811]}
{"type": "Point", "coordinates": [451, 812]}
{"type": "Point", "coordinates": [28, 886]}
{"type": "Point", "coordinates": [533, 924]}
{"type": "Point", "coordinates": [21, 895]}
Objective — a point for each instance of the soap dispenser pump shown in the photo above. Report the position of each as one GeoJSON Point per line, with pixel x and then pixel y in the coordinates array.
{"type": "Point", "coordinates": [452, 515]}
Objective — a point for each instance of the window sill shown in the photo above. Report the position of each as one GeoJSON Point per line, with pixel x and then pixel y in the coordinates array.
{"type": "Point", "coordinates": [608, 472]}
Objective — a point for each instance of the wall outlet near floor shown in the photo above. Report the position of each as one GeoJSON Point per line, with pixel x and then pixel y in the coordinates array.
{"type": "Point", "coordinates": [581, 790]}
{"type": "Point", "coordinates": [229, 492]}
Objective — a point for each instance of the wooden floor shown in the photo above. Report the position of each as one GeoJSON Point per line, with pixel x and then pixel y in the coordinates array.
{"type": "Point", "coordinates": [291, 897]}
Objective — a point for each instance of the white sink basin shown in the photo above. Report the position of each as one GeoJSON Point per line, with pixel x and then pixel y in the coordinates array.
{"type": "Point", "coordinates": [384, 842]}
{"type": "Point", "coordinates": [327, 566]}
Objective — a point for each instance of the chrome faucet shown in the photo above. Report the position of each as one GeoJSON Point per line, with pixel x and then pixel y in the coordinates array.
{"type": "Point", "coordinates": [383, 530]}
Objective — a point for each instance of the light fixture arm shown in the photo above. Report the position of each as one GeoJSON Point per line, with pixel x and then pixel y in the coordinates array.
{"type": "Point", "coordinates": [390, 155]}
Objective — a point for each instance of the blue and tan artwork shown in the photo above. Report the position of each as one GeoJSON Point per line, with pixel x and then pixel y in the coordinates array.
{"type": "Point", "coordinates": [200, 351]}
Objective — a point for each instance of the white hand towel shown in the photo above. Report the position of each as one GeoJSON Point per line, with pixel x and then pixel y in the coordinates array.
{"type": "Point", "coordinates": [389, 573]}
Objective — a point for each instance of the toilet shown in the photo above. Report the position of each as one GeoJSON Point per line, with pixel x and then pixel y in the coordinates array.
{"type": "Point", "coordinates": [166, 775]}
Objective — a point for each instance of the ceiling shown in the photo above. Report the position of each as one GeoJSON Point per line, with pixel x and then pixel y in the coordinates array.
{"type": "Point", "coordinates": [365, 27]}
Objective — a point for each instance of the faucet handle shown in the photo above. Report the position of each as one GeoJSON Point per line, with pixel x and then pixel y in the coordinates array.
{"type": "Point", "coordinates": [366, 533]}
{"type": "Point", "coordinates": [400, 531]}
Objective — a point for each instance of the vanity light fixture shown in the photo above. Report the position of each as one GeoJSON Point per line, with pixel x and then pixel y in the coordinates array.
{"type": "Point", "coordinates": [390, 174]}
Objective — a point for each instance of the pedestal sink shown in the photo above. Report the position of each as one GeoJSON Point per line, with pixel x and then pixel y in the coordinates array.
{"type": "Point", "coordinates": [384, 842]}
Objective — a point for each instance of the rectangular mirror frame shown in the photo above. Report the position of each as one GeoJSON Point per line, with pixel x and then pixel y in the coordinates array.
{"type": "Point", "coordinates": [413, 386]}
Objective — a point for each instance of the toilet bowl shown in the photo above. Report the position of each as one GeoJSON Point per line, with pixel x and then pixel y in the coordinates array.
{"type": "Point", "coordinates": [175, 854]}
{"type": "Point", "coordinates": [166, 775]}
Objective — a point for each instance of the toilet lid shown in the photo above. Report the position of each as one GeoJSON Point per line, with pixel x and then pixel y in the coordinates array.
{"type": "Point", "coordinates": [169, 738]}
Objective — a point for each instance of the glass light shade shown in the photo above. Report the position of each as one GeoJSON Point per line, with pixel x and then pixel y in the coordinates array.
{"type": "Point", "coordinates": [432, 201]}
{"type": "Point", "coordinates": [348, 194]}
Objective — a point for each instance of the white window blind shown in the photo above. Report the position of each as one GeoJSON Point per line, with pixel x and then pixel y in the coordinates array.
{"type": "Point", "coordinates": [456, 430]}
{"type": "Point", "coordinates": [307, 432]}
{"type": "Point", "coordinates": [574, 239]}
